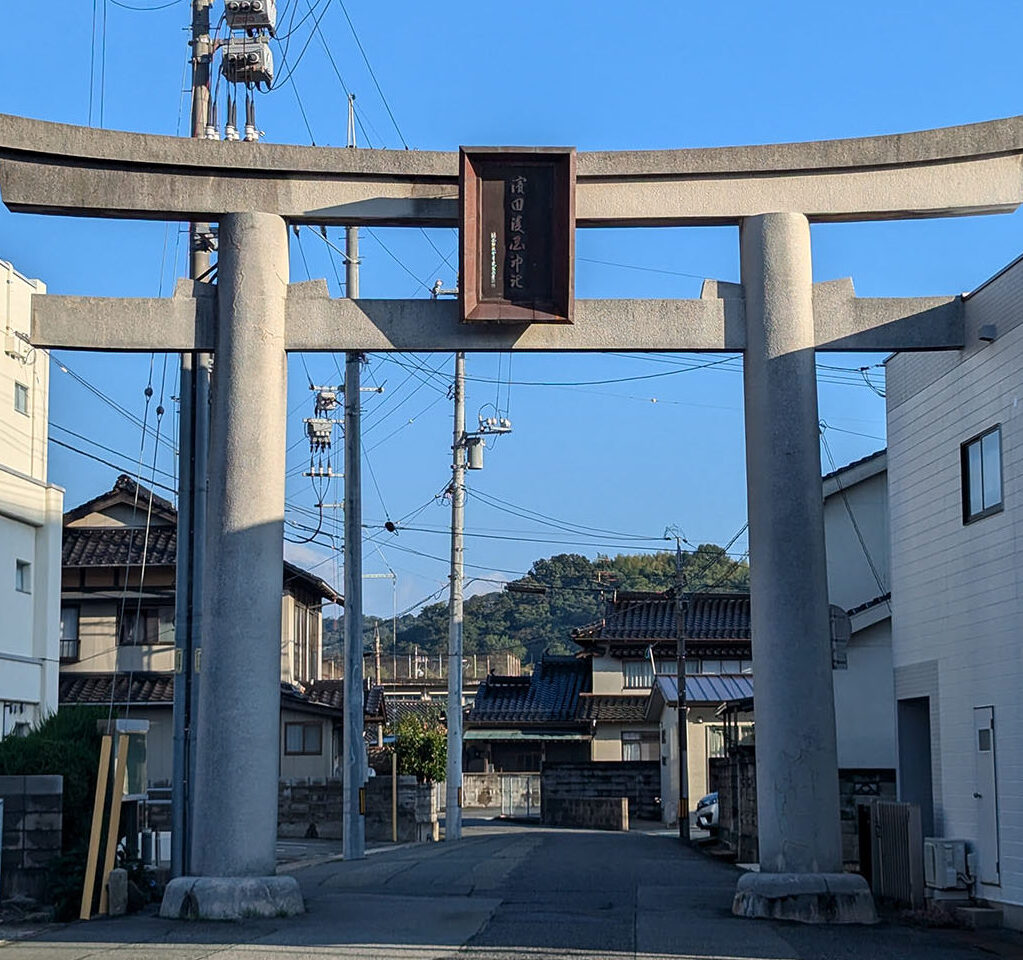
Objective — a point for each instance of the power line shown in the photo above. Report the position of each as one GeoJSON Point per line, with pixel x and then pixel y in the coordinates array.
{"type": "Point", "coordinates": [369, 67]}
{"type": "Point", "coordinates": [117, 467]}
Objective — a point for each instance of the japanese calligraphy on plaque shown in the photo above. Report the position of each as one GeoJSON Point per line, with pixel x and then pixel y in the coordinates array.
{"type": "Point", "coordinates": [517, 237]}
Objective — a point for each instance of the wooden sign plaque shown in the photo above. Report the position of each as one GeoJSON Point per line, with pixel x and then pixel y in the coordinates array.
{"type": "Point", "coordinates": [517, 234]}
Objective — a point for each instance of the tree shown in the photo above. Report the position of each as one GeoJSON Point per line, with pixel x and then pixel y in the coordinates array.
{"type": "Point", "coordinates": [421, 746]}
{"type": "Point", "coordinates": [527, 624]}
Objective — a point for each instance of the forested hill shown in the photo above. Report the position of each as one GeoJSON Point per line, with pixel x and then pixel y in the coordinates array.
{"type": "Point", "coordinates": [529, 623]}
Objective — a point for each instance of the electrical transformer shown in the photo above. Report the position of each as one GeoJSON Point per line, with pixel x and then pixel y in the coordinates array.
{"type": "Point", "coordinates": [248, 60]}
{"type": "Point", "coordinates": [251, 15]}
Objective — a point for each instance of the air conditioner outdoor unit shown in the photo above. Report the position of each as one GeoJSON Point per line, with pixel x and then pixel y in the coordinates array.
{"type": "Point", "coordinates": [945, 866]}
{"type": "Point", "coordinates": [15, 347]}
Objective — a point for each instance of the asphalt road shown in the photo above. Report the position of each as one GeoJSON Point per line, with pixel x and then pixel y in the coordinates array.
{"type": "Point", "coordinates": [512, 892]}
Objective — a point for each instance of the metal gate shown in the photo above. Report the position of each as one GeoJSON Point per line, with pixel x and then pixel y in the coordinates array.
{"type": "Point", "coordinates": [520, 795]}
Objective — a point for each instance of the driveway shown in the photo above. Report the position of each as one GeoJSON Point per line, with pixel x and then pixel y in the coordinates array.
{"type": "Point", "coordinates": [512, 892]}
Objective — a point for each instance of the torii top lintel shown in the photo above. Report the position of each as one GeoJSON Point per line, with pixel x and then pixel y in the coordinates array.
{"type": "Point", "coordinates": [81, 171]}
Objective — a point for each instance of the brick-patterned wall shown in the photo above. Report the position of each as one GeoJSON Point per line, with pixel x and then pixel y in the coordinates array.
{"type": "Point", "coordinates": [639, 781]}
{"type": "Point", "coordinates": [957, 588]}
{"type": "Point", "coordinates": [32, 832]}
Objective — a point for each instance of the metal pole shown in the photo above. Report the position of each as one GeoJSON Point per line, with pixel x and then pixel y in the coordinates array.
{"type": "Point", "coordinates": [193, 444]}
{"type": "Point", "coordinates": [453, 816]}
{"type": "Point", "coordinates": [354, 824]}
{"type": "Point", "coordinates": [682, 609]}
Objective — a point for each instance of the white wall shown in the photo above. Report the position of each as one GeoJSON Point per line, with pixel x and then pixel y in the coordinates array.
{"type": "Point", "coordinates": [30, 519]}
{"type": "Point", "coordinates": [865, 701]}
{"type": "Point", "coordinates": [956, 587]}
{"type": "Point", "coordinates": [856, 534]}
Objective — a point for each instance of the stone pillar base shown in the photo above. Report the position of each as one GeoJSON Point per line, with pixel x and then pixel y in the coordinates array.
{"type": "Point", "coordinates": [231, 898]}
{"type": "Point", "coordinates": [806, 897]}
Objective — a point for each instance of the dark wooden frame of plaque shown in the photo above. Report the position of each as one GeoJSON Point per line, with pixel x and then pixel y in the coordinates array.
{"type": "Point", "coordinates": [471, 163]}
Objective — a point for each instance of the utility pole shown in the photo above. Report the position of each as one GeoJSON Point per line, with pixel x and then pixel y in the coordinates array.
{"type": "Point", "coordinates": [193, 450]}
{"type": "Point", "coordinates": [681, 612]}
{"type": "Point", "coordinates": [453, 816]}
{"type": "Point", "coordinates": [354, 824]}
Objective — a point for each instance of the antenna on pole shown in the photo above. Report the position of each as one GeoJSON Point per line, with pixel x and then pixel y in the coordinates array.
{"type": "Point", "coordinates": [351, 120]}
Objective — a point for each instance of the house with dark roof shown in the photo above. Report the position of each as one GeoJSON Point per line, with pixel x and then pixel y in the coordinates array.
{"type": "Point", "coordinates": [632, 648]}
{"type": "Point", "coordinates": [117, 625]}
{"type": "Point", "coordinates": [517, 723]}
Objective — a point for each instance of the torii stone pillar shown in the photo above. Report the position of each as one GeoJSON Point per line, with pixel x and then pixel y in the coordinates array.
{"type": "Point", "coordinates": [235, 811]}
{"type": "Point", "coordinates": [797, 782]}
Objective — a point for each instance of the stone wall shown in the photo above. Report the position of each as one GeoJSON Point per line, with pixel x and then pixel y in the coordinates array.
{"type": "Point", "coordinates": [594, 813]}
{"type": "Point", "coordinates": [856, 788]}
{"type": "Point", "coordinates": [735, 781]}
{"type": "Point", "coordinates": [32, 833]}
{"type": "Point", "coordinates": [313, 808]}
{"type": "Point", "coordinates": [638, 781]}
{"type": "Point", "coordinates": [309, 808]}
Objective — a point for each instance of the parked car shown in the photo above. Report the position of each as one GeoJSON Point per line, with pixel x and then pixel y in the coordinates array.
{"type": "Point", "coordinates": [707, 812]}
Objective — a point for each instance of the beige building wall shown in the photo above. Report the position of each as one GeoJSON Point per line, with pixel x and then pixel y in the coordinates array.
{"type": "Point", "coordinates": [315, 767]}
{"type": "Point", "coordinates": [31, 509]}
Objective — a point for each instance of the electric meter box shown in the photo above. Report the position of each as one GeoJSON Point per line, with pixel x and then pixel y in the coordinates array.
{"type": "Point", "coordinates": [247, 60]}
{"type": "Point", "coordinates": [251, 15]}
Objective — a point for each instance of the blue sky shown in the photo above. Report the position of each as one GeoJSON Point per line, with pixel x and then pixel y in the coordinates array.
{"type": "Point", "coordinates": [596, 76]}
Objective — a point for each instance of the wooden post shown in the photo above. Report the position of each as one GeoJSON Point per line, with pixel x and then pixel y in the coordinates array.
{"type": "Point", "coordinates": [115, 819]}
{"type": "Point", "coordinates": [394, 793]}
{"type": "Point", "coordinates": [98, 806]}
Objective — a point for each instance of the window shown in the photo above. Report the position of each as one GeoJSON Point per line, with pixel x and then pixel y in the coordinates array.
{"type": "Point", "coordinates": [303, 739]}
{"type": "Point", "coordinates": [693, 665]}
{"type": "Point", "coordinates": [667, 668]}
{"type": "Point", "coordinates": [981, 460]}
{"type": "Point", "coordinates": [23, 576]}
{"type": "Point", "coordinates": [640, 746]}
{"type": "Point", "coordinates": [639, 674]}
{"type": "Point", "coordinates": [712, 666]}
{"type": "Point", "coordinates": [21, 398]}
{"type": "Point", "coordinates": [745, 666]}
{"type": "Point", "coordinates": [140, 626]}
{"type": "Point", "coordinates": [69, 648]}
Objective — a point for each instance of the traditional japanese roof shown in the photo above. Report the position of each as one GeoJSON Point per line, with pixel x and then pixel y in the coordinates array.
{"type": "Point", "coordinates": [399, 707]}
{"type": "Point", "coordinates": [549, 696]}
{"type": "Point", "coordinates": [118, 546]}
{"type": "Point", "coordinates": [327, 696]}
{"type": "Point", "coordinates": [130, 493]}
{"type": "Point", "coordinates": [138, 689]}
{"type": "Point", "coordinates": [639, 619]}
{"type": "Point", "coordinates": [613, 708]}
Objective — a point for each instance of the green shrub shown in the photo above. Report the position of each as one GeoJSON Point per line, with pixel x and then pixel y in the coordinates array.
{"type": "Point", "coordinates": [422, 747]}
{"type": "Point", "coordinates": [66, 744]}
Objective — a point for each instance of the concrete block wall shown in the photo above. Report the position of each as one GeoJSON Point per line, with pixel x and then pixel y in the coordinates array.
{"type": "Point", "coordinates": [855, 788]}
{"type": "Point", "coordinates": [593, 813]}
{"type": "Point", "coordinates": [309, 808]}
{"type": "Point", "coordinates": [32, 833]}
{"type": "Point", "coordinates": [957, 588]}
{"type": "Point", "coordinates": [639, 781]}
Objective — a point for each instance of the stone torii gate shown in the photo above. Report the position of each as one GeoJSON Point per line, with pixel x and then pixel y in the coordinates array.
{"type": "Point", "coordinates": [251, 317]}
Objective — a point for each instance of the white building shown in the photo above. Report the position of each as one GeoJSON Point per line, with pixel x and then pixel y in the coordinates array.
{"type": "Point", "coordinates": [856, 536]}
{"type": "Point", "coordinates": [30, 520]}
{"type": "Point", "coordinates": [955, 441]}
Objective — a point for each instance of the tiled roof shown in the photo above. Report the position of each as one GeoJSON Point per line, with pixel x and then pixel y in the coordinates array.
{"type": "Point", "coordinates": [399, 707]}
{"type": "Point", "coordinates": [329, 695]}
{"type": "Point", "coordinates": [125, 490]}
{"type": "Point", "coordinates": [706, 688]}
{"type": "Point", "coordinates": [123, 546]}
{"type": "Point", "coordinates": [94, 688]}
{"type": "Point", "coordinates": [618, 708]}
{"type": "Point", "coordinates": [646, 617]}
{"type": "Point", "coordinates": [549, 695]}
{"type": "Point", "coordinates": [118, 546]}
